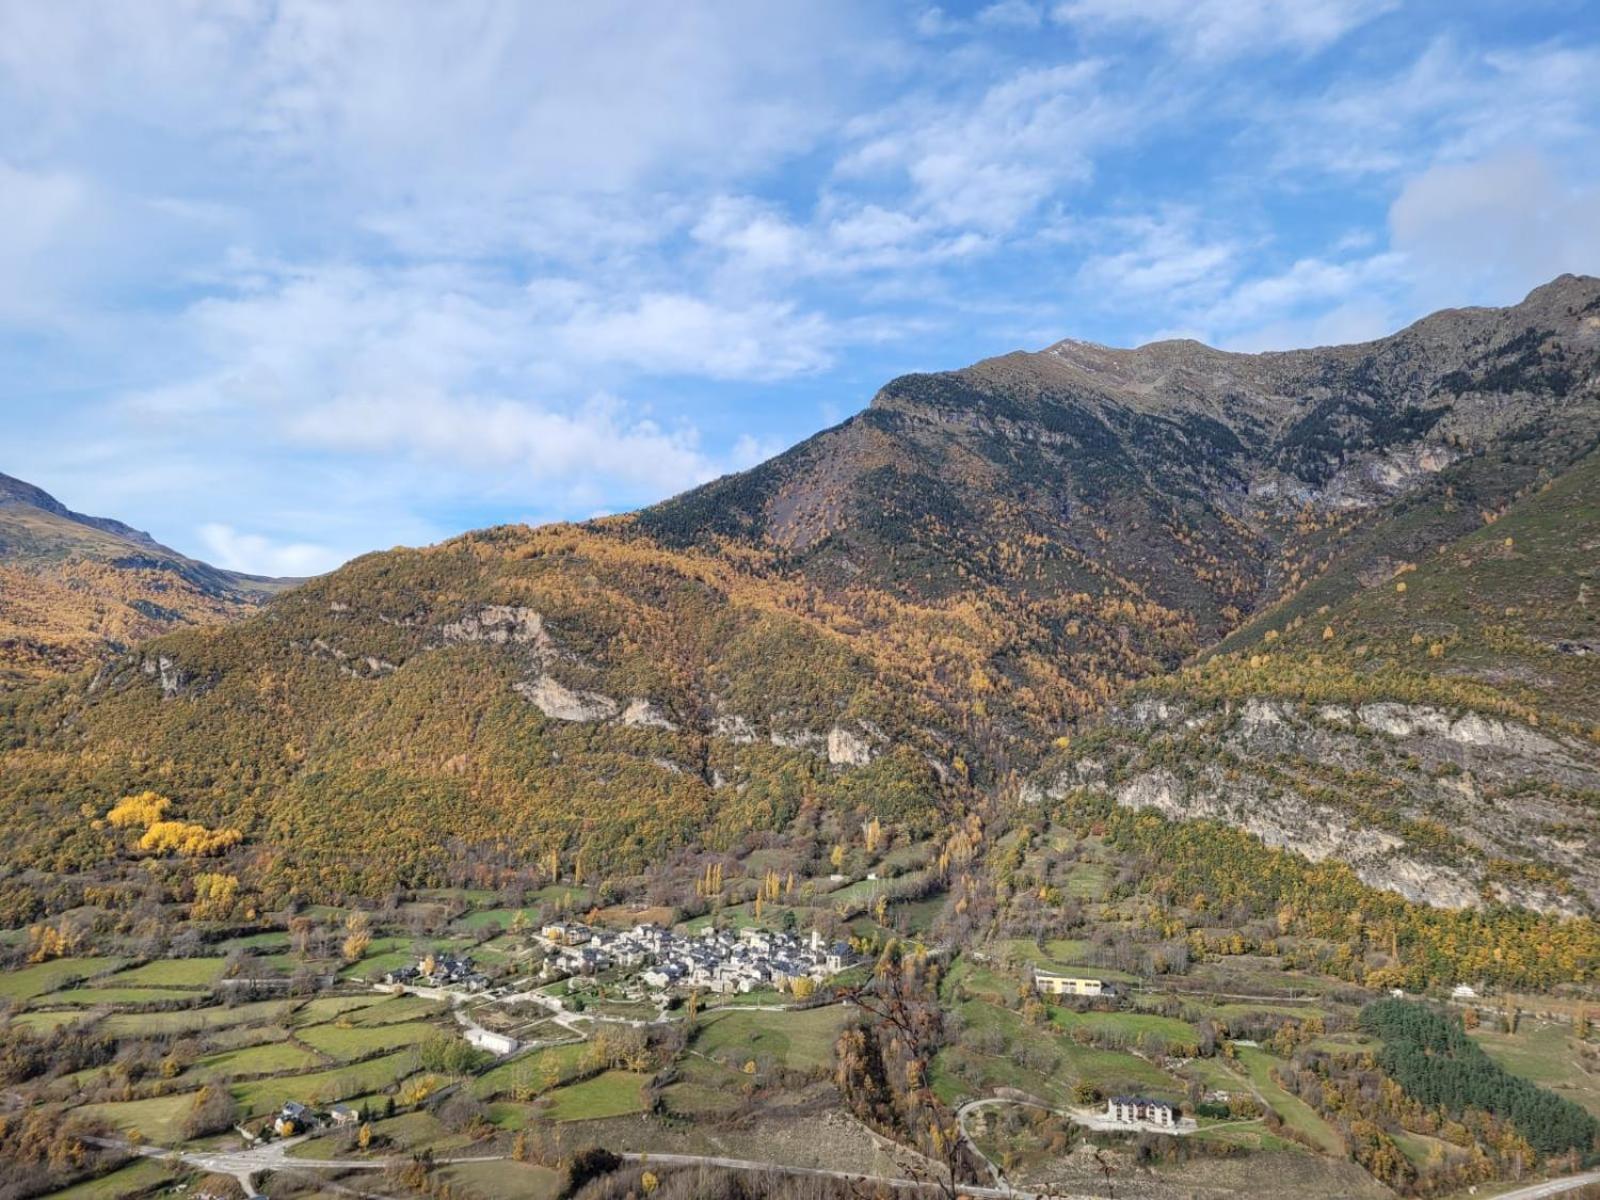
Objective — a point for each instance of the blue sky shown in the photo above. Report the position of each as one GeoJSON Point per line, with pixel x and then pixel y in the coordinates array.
{"type": "Point", "coordinates": [285, 282]}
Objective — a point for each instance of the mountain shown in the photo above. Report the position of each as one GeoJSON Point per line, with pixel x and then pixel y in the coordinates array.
{"type": "Point", "coordinates": [74, 587]}
{"type": "Point", "coordinates": [936, 606]}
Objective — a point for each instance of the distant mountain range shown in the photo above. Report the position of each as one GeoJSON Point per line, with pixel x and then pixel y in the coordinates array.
{"type": "Point", "coordinates": [1255, 588]}
{"type": "Point", "coordinates": [73, 587]}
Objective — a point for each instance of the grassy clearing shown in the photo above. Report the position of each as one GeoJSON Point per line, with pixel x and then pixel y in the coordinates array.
{"type": "Point", "coordinates": [506, 1179]}
{"type": "Point", "coordinates": [611, 1094]}
{"type": "Point", "coordinates": [159, 1120]}
{"type": "Point", "coordinates": [90, 996]}
{"type": "Point", "coordinates": [45, 1022]}
{"type": "Point", "coordinates": [477, 922]}
{"type": "Point", "coordinates": [801, 1040]}
{"type": "Point", "coordinates": [272, 939]}
{"type": "Point", "coordinates": [1296, 1113]}
{"type": "Point", "coordinates": [1128, 1025]}
{"type": "Point", "coordinates": [52, 976]}
{"type": "Point", "coordinates": [1545, 1053]}
{"type": "Point", "coordinates": [191, 1019]}
{"type": "Point", "coordinates": [325, 1087]}
{"type": "Point", "coordinates": [169, 973]}
{"type": "Point", "coordinates": [270, 1058]}
{"type": "Point", "coordinates": [397, 1009]}
{"type": "Point", "coordinates": [530, 1071]}
{"type": "Point", "coordinates": [330, 1008]}
{"type": "Point", "coordinates": [139, 1176]}
{"type": "Point", "coordinates": [344, 1044]}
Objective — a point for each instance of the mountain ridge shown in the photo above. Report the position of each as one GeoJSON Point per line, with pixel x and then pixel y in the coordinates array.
{"type": "Point", "coordinates": [898, 618]}
{"type": "Point", "coordinates": [77, 586]}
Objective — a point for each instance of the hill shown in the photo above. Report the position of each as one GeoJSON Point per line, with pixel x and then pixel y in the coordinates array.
{"type": "Point", "coordinates": [894, 619]}
{"type": "Point", "coordinates": [74, 587]}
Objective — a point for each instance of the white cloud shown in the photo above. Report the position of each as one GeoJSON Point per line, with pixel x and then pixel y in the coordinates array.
{"type": "Point", "coordinates": [1222, 29]}
{"type": "Point", "coordinates": [1163, 256]}
{"type": "Point", "coordinates": [1012, 14]}
{"type": "Point", "coordinates": [255, 554]}
{"type": "Point", "coordinates": [1492, 230]}
{"type": "Point", "coordinates": [674, 334]}
{"type": "Point", "coordinates": [984, 164]}
{"type": "Point", "coordinates": [1449, 103]}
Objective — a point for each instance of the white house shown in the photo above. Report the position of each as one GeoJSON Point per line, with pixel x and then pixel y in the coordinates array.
{"type": "Point", "coordinates": [1135, 1110]}
{"type": "Point", "coordinates": [495, 1043]}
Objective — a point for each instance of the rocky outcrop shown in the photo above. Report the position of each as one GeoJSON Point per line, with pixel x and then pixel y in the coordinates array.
{"type": "Point", "coordinates": [561, 703]}
{"type": "Point", "coordinates": [1307, 829]}
{"type": "Point", "coordinates": [1417, 799]}
{"type": "Point", "coordinates": [734, 728]}
{"type": "Point", "coordinates": [500, 625]}
{"type": "Point", "coordinates": [165, 669]}
{"type": "Point", "coordinates": [847, 748]}
{"type": "Point", "coordinates": [644, 714]}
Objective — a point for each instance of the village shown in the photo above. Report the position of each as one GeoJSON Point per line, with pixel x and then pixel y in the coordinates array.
{"type": "Point", "coordinates": [655, 959]}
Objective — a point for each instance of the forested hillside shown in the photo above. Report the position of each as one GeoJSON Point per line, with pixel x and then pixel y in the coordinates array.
{"type": "Point", "coordinates": [75, 587]}
{"type": "Point", "coordinates": [913, 611]}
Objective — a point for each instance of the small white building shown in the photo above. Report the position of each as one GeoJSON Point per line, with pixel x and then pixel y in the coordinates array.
{"type": "Point", "coordinates": [494, 1043]}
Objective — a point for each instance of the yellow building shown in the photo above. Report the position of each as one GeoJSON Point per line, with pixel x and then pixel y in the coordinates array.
{"type": "Point", "coordinates": [1050, 983]}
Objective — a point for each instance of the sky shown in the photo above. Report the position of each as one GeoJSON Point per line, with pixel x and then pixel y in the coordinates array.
{"type": "Point", "coordinates": [285, 282]}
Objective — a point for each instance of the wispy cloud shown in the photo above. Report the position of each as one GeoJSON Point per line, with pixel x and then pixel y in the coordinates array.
{"type": "Point", "coordinates": [610, 250]}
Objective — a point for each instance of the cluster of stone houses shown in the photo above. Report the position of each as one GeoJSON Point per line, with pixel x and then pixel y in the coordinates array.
{"type": "Point", "coordinates": [714, 960]}
{"type": "Point", "coordinates": [294, 1118]}
{"type": "Point", "coordinates": [440, 970]}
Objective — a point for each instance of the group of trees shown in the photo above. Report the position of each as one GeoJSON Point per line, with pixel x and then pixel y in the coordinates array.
{"type": "Point", "coordinates": [1430, 1055]}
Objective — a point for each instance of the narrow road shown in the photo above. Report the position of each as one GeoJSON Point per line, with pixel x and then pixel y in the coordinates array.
{"type": "Point", "coordinates": [1552, 1187]}
{"type": "Point", "coordinates": [922, 1185]}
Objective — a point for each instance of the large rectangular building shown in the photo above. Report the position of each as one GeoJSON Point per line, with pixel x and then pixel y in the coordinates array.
{"type": "Point", "coordinates": [1052, 983]}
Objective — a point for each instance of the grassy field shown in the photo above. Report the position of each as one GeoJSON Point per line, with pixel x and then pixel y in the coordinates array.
{"type": "Point", "coordinates": [344, 1044]}
{"type": "Point", "coordinates": [476, 922]}
{"type": "Point", "coordinates": [1056, 1062]}
{"type": "Point", "coordinates": [1296, 1113]}
{"type": "Point", "coordinates": [801, 1040]}
{"type": "Point", "coordinates": [324, 1087]}
{"type": "Point", "coordinates": [170, 973]}
{"type": "Point", "coordinates": [270, 1058]}
{"type": "Point", "coordinates": [329, 1008]}
{"type": "Point", "coordinates": [529, 1070]}
{"type": "Point", "coordinates": [1129, 1026]}
{"type": "Point", "coordinates": [1543, 1051]}
{"type": "Point", "coordinates": [51, 976]}
{"type": "Point", "coordinates": [138, 1177]}
{"type": "Point", "coordinates": [90, 996]}
{"type": "Point", "coordinates": [191, 1019]}
{"type": "Point", "coordinates": [523, 1180]}
{"type": "Point", "coordinates": [159, 1120]}
{"type": "Point", "coordinates": [397, 1009]}
{"type": "Point", "coordinates": [611, 1094]}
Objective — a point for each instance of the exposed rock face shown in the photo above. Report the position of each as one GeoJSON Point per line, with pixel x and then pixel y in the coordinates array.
{"type": "Point", "coordinates": [798, 739]}
{"type": "Point", "coordinates": [1311, 830]}
{"type": "Point", "coordinates": [735, 728]}
{"type": "Point", "coordinates": [162, 667]}
{"type": "Point", "coordinates": [1473, 729]}
{"type": "Point", "coordinates": [643, 714]}
{"type": "Point", "coordinates": [1458, 792]}
{"type": "Point", "coordinates": [562, 703]}
{"type": "Point", "coordinates": [500, 625]}
{"type": "Point", "coordinates": [848, 749]}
